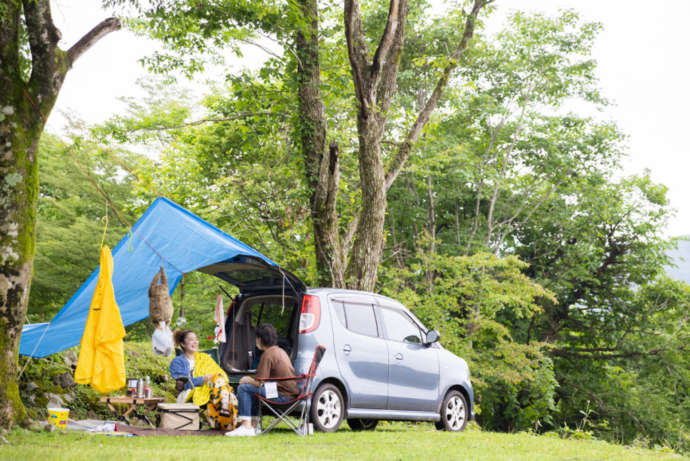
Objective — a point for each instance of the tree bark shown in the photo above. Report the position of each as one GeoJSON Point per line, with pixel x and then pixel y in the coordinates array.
{"type": "Point", "coordinates": [375, 85]}
{"type": "Point", "coordinates": [321, 165]}
{"type": "Point", "coordinates": [24, 107]}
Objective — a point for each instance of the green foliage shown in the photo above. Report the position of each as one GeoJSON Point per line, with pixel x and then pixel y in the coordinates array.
{"type": "Point", "coordinates": [472, 301]}
{"type": "Point", "coordinates": [141, 361]}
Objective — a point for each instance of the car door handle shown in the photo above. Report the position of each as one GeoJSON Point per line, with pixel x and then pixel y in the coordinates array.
{"type": "Point", "coordinates": [398, 356]}
{"type": "Point", "coordinates": [347, 349]}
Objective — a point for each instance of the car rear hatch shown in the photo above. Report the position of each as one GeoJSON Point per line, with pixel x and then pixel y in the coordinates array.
{"type": "Point", "coordinates": [254, 275]}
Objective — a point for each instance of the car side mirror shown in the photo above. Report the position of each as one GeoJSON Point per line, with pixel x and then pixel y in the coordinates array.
{"type": "Point", "coordinates": [432, 337]}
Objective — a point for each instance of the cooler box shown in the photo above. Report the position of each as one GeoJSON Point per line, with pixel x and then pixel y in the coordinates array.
{"type": "Point", "coordinates": [179, 416]}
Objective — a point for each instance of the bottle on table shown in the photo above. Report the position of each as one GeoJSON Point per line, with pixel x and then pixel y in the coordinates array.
{"type": "Point", "coordinates": [148, 391]}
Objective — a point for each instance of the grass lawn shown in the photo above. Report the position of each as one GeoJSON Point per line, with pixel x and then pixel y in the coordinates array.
{"type": "Point", "coordinates": [388, 441]}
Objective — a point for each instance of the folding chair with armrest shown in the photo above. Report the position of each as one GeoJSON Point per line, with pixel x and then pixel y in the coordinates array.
{"type": "Point", "coordinates": [283, 410]}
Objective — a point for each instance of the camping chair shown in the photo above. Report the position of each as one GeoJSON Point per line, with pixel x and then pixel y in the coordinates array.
{"type": "Point", "coordinates": [283, 410]}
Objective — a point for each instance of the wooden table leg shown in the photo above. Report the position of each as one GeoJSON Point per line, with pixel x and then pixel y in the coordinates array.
{"type": "Point", "coordinates": [117, 414]}
{"type": "Point", "coordinates": [125, 415]}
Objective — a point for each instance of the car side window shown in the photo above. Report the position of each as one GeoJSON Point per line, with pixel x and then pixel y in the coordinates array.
{"type": "Point", "coordinates": [399, 327]}
{"type": "Point", "coordinates": [360, 319]}
{"type": "Point", "coordinates": [339, 309]}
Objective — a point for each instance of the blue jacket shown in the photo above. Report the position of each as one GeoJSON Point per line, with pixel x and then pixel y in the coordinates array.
{"type": "Point", "coordinates": [179, 367]}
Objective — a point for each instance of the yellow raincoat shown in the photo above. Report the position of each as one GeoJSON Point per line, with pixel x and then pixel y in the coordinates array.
{"type": "Point", "coordinates": [101, 355]}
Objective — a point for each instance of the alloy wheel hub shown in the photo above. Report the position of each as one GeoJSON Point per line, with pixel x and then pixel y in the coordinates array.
{"type": "Point", "coordinates": [328, 409]}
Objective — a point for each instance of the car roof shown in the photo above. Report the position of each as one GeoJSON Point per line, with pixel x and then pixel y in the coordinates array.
{"type": "Point", "coordinates": [379, 299]}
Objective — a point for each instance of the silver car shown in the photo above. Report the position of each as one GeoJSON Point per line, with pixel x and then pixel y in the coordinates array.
{"type": "Point", "coordinates": [381, 362]}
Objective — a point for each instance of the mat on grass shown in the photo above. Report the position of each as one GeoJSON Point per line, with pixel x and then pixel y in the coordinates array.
{"type": "Point", "coordinates": [148, 431]}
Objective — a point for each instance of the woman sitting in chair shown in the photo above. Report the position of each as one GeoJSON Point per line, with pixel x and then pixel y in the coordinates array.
{"type": "Point", "coordinates": [274, 363]}
{"type": "Point", "coordinates": [201, 380]}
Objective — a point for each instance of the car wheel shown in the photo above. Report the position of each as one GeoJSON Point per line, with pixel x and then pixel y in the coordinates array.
{"type": "Point", "coordinates": [362, 424]}
{"type": "Point", "coordinates": [327, 408]}
{"type": "Point", "coordinates": [454, 412]}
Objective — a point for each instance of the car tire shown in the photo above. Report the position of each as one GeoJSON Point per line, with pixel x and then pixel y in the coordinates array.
{"type": "Point", "coordinates": [454, 412]}
{"type": "Point", "coordinates": [357, 424]}
{"type": "Point", "coordinates": [327, 408]}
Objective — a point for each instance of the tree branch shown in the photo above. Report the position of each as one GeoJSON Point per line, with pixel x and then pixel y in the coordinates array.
{"type": "Point", "coordinates": [239, 116]}
{"type": "Point", "coordinates": [594, 354]}
{"type": "Point", "coordinates": [392, 24]}
{"type": "Point", "coordinates": [357, 51]}
{"type": "Point", "coordinates": [405, 149]}
{"type": "Point", "coordinates": [386, 83]}
{"type": "Point", "coordinates": [43, 40]}
{"type": "Point", "coordinates": [349, 235]}
{"type": "Point", "coordinates": [94, 35]}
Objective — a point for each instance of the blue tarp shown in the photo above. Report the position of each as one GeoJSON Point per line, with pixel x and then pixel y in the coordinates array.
{"type": "Point", "coordinates": [166, 235]}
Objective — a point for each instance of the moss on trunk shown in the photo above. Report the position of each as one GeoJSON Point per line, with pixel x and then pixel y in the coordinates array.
{"type": "Point", "coordinates": [19, 135]}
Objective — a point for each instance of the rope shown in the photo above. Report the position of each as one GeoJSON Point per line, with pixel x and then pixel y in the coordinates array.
{"type": "Point", "coordinates": [122, 164]}
{"type": "Point", "coordinates": [28, 97]}
{"type": "Point", "coordinates": [105, 229]}
{"type": "Point", "coordinates": [119, 215]}
{"type": "Point", "coordinates": [33, 352]}
{"type": "Point", "coordinates": [146, 184]}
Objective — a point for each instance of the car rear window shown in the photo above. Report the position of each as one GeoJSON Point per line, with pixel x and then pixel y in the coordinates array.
{"type": "Point", "coordinates": [275, 313]}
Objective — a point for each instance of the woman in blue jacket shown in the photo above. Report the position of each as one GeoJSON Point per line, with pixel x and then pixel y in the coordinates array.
{"type": "Point", "coordinates": [206, 383]}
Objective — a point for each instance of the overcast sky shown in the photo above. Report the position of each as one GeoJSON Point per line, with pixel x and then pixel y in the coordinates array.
{"type": "Point", "coordinates": [643, 67]}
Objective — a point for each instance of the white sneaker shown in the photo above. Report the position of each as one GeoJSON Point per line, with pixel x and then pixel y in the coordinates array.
{"type": "Point", "coordinates": [241, 432]}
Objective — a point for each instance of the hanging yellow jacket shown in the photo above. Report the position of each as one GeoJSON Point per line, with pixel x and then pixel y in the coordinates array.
{"type": "Point", "coordinates": [204, 365]}
{"type": "Point", "coordinates": [101, 355]}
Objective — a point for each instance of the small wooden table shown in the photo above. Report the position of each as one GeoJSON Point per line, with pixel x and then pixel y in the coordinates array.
{"type": "Point", "coordinates": [131, 409]}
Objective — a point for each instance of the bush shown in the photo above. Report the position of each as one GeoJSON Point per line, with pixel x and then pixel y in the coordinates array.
{"type": "Point", "coordinates": [465, 297]}
{"type": "Point", "coordinates": [51, 376]}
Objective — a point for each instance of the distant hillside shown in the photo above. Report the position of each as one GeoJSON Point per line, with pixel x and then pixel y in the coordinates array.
{"type": "Point", "coordinates": [681, 257]}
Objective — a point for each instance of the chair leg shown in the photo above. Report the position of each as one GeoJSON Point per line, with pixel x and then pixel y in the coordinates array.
{"type": "Point", "coordinates": [282, 417]}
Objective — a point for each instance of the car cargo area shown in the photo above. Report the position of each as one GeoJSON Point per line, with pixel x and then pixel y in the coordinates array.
{"type": "Point", "coordinates": [240, 354]}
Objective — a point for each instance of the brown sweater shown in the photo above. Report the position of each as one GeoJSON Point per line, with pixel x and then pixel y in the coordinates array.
{"type": "Point", "coordinates": [275, 363]}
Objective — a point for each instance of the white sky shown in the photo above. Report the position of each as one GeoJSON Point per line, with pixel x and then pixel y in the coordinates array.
{"type": "Point", "coordinates": [643, 67]}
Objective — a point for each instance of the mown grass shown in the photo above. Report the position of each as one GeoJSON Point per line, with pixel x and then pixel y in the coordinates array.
{"type": "Point", "coordinates": [388, 442]}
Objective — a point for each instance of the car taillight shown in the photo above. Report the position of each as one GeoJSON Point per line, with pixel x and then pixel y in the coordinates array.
{"type": "Point", "coordinates": [310, 314]}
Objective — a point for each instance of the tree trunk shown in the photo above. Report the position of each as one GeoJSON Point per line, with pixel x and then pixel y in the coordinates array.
{"type": "Point", "coordinates": [19, 133]}
{"type": "Point", "coordinates": [321, 167]}
{"type": "Point", "coordinates": [24, 107]}
{"type": "Point", "coordinates": [369, 238]}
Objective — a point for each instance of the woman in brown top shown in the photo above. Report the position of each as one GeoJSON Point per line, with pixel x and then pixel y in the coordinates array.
{"type": "Point", "coordinates": [274, 363]}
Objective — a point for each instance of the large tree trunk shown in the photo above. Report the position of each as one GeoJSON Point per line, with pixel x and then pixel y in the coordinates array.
{"type": "Point", "coordinates": [375, 86]}
{"type": "Point", "coordinates": [24, 107]}
{"type": "Point", "coordinates": [369, 237]}
{"type": "Point", "coordinates": [18, 191]}
{"type": "Point", "coordinates": [321, 166]}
